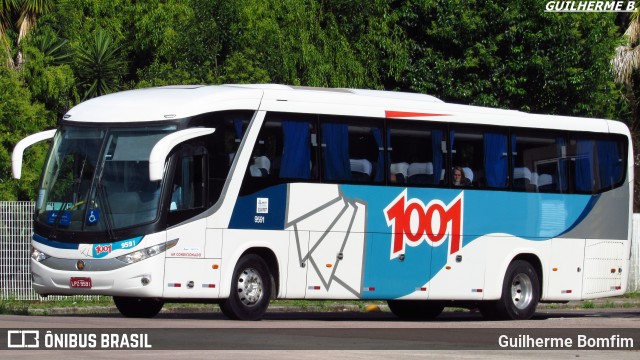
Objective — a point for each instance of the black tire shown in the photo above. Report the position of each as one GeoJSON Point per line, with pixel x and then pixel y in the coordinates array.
{"type": "Point", "coordinates": [138, 307]}
{"type": "Point", "coordinates": [520, 293]}
{"type": "Point", "coordinates": [415, 309]}
{"type": "Point", "coordinates": [250, 290]}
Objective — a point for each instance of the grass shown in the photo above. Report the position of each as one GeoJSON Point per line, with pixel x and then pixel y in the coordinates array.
{"type": "Point", "coordinates": [588, 304]}
{"type": "Point", "coordinates": [23, 307]}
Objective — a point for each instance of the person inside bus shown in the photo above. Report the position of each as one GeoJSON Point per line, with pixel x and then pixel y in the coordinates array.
{"type": "Point", "coordinates": [459, 179]}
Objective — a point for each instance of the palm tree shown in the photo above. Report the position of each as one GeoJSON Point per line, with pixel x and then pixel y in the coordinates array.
{"type": "Point", "coordinates": [99, 67]}
{"type": "Point", "coordinates": [7, 9]}
{"type": "Point", "coordinates": [626, 62]}
{"type": "Point", "coordinates": [19, 16]}
{"type": "Point", "coordinates": [30, 10]}
{"type": "Point", "coordinates": [56, 50]}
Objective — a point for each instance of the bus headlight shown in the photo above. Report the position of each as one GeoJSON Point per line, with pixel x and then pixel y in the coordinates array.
{"type": "Point", "coordinates": [146, 253]}
{"type": "Point", "coordinates": [38, 255]}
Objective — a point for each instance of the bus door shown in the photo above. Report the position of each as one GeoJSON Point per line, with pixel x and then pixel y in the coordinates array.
{"type": "Point", "coordinates": [192, 266]}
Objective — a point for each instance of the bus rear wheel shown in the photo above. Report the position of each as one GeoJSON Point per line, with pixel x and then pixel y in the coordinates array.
{"type": "Point", "coordinates": [415, 309]}
{"type": "Point", "coordinates": [520, 294]}
{"type": "Point", "coordinates": [250, 290]}
{"type": "Point", "coordinates": [138, 307]}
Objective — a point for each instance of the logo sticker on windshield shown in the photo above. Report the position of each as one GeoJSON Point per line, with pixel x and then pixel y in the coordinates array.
{"type": "Point", "coordinates": [65, 218]}
{"type": "Point", "coordinates": [93, 216]}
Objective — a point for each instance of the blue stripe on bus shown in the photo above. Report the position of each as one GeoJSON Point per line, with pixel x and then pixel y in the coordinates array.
{"type": "Point", "coordinates": [526, 215]}
{"type": "Point", "coordinates": [269, 215]}
{"type": "Point", "coordinates": [530, 216]}
{"type": "Point", "coordinates": [55, 244]}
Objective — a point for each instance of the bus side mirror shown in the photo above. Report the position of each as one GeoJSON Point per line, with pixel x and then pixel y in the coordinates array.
{"type": "Point", "coordinates": [162, 149]}
{"type": "Point", "coordinates": [18, 150]}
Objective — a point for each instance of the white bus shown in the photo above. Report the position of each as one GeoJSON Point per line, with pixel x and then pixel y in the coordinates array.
{"type": "Point", "coordinates": [239, 194]}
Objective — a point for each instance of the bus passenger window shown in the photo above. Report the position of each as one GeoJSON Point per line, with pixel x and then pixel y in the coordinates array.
{"type": "Point", "coordinates": [416, 152]}
{"type": "Point", "coordinates": [284, 151]}
{"type": "Point", "coordinates": [597, 164]}
{"type": "Point", "coordinates": [610, 163]}
{"type": "Point", "coordinates": [335, 152]}
{"type": "Point", "coordinates": [296, 161]}
{"type": "Point", "coordinates": [482, 155]}
{"type": "Point", "coordinates": [538, 161]}
{"type": "Point", "coordinates": [352, 151]}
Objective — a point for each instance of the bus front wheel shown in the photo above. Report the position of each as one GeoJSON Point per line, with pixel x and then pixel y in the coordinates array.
{"type": "Point", "coordinates": [138, 307]}
{"type": "Point", "coordinates": [250, 290]}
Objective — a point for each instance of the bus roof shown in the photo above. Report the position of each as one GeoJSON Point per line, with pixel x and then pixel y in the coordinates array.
{"type": "Point", "coordinates": [173, 102]}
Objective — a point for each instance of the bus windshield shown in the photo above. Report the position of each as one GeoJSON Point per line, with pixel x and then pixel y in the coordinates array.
{"type": "Point", "coordinates": [97, 179]}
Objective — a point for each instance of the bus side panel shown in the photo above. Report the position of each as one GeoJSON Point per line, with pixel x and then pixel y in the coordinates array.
{"type": "Point", "coordinates": [606, 268]}
{"type": "Point", "coordinates": [565, 269]}
{"type": "Point", "coordinates": [295, 284]}
{"type": "Point", "coordinates": [189, 271]}
{"type": "Point", "coordinates": [463, 278]}
{"type": "Point", "coordinates": [334, 228]}
{"type": "Point", "coordinates": [192, 278]}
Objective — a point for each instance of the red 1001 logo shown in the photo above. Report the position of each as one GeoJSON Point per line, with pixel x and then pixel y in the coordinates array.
{"type": "Point", "coordinates": [413, 222]}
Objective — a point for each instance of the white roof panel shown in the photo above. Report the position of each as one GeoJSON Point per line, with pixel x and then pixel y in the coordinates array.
{"type": "Point", "coordinates": [170, 102]}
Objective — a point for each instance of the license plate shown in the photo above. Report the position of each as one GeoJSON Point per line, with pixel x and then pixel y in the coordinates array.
{"type": "Point", "coordinates": [81, 282]}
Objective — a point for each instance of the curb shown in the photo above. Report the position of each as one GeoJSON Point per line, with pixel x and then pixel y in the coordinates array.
{"type": "Point", "coordinates": [610, 303]}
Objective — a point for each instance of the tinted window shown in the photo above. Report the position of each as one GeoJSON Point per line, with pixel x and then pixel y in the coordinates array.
{"type": "Point", "coordinates": [416, 154]}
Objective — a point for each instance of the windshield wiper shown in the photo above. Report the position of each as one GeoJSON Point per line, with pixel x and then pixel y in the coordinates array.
{"type": "Point", "coordinates": [107, 211]}
{"type": "Point", "coordinates": [58, 217]}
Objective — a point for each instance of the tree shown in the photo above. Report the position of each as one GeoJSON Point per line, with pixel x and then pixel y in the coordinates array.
{"type": "Point", "coordinates": [99, 66]}
{"type": "Point", "coordinates": [19, 117]}
{"type": "Point", "coordinates": [512, 54]}
{"type": "Point", "coordinates": [20, 17]}
{"type": "Point", "coordinates": [335, 43]}
{"type": "Point", "coordinates": [48, 72]}
{"type": "Point", "coordinates": [626, 64]}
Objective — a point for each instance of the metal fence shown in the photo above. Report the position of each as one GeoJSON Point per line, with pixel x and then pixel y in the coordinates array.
{"type": "Point", "coordinates": [15, 237]}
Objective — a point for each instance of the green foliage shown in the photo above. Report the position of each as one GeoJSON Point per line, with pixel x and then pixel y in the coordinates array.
{"type": "Point", "coordinates": [55, 50]}
{"type": "Point", "coordinates": [48, 74]}
{"type": "Point", "coordinates": [514, 55]}
{"type": "Point", "coordinates": [19, 117]}
{"type": "Point", "coordinates": [99, 66]}
{"type": "Point", "coordinates": [335, 44]}
{"type": "Point", "coordinates": [507, 53]}
{"type": "Point", "coordinates": [244, 68]}
{"type": "Point", "coordinates": [588, 304]}
{"type": "Point", "coordinates": [175, 42]}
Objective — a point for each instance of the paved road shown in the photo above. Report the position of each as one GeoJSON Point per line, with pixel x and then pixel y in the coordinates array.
{"type": "Point", "coordinates": [348, 335]}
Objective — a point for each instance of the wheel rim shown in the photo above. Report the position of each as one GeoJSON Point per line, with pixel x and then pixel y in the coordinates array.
{"type": "Point", "coordinates": [521, 291]}
{"type": "Point", "coordinates": [250, 287]}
